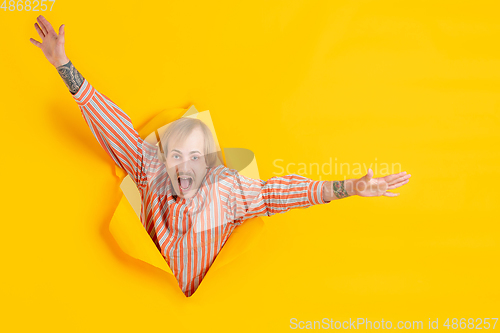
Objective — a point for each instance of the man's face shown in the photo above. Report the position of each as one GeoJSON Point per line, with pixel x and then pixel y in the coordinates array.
{"type": "Point", "coordinates": [185, 162]}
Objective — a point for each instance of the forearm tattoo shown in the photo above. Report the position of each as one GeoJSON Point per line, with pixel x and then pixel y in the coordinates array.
{"type": "Point", "coordinates": [72, 78]}
{"type": "Point", "coordinates": [339, 189]}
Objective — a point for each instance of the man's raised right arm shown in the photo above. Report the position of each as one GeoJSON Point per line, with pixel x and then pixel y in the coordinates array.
{"type": "Point", "coordinates": [111, 126]}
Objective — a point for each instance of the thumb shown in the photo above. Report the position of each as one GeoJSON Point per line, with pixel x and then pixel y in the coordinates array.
{"type": "Point", "coordinates": [369, 174]}
{"type": "Point", "coordinates": [61, 31]}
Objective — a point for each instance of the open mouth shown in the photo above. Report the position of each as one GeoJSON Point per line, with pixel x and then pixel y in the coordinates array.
{"type": "Point", "coordinates": [185, 183]}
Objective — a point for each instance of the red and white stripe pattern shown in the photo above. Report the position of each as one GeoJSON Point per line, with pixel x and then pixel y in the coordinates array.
{"type": "Point", "coordinates": [189, 233]}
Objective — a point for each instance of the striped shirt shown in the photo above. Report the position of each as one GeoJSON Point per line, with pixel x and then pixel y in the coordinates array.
{"type": "Point", "coordinates": [189, 233]}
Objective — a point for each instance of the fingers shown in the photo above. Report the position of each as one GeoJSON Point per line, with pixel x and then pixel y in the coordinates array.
{"type": "Point", "coordinates": [395, 176]}
{"type": "Point", "coordinates": [393, 186]}
{"type": "Point", "coordinates": [41, 25]}
{"type": "Point", "coordinates": [36, 43]}
{"type": "Point", "coordinates": [398, 179]}
{"type": "Point", "coordinates": [46, 26]}
{"type": "Point", "coordinates": [40, 32]}
{"type": "Point", "coordinates": [390, 194]}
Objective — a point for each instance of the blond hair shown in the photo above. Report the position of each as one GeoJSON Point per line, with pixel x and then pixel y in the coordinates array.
{"type": "Point", "coordinates": [180, 129]}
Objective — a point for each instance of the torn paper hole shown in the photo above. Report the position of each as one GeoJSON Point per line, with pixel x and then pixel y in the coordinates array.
{"type": "Point", "coordinates": [133, 236]}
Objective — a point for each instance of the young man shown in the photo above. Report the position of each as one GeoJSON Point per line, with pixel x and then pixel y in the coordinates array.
{"type": "Point", "coordinates": [190, 205]}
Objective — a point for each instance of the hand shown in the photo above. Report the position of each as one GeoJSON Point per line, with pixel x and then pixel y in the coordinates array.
{"type": "Point", "coordinates": [367, 186]}
{"type": "Point", "coordinates": [53, 45]}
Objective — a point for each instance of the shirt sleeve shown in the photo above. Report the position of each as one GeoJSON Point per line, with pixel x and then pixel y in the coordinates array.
{"type": "Point", "coordinates": [114, 131]}
{"type": "Point", "coordinates": [249, 197]}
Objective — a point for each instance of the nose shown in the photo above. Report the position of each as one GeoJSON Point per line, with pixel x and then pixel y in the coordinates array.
{"type": "Point", "coordinates": [183, 167]}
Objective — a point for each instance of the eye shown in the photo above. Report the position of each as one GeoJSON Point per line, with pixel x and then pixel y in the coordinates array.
{"type": "Point", "coordinates": [195, 158]}
{"type": "Point", "coordinates": [175, 156]}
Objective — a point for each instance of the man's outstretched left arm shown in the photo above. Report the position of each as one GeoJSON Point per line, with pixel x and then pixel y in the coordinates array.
{"type": "Point", "coordinates": [248, 198]}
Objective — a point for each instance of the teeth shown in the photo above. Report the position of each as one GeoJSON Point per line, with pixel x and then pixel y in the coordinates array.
{"type": "Point", "coordinates": [189, 178]}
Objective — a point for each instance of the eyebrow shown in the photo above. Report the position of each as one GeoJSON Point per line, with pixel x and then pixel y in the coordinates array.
{"type": "Point", "coordinates": [192, 152]}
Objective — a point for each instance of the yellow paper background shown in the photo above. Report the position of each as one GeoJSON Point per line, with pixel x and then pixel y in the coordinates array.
{"type": "Point", "coordinates": [366, 82]}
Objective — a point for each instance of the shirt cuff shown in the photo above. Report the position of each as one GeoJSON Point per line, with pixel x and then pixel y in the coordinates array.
{"type": "Point", "coordinates": [315, 192]}
{"type": "Point", "coordinates": [84, 94]}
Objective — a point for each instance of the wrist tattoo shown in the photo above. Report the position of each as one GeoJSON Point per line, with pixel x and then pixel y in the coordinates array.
{"type": "Point", "coordinates": [72, 78]}
{"type": "Point", "coordinates": [339, 189]}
